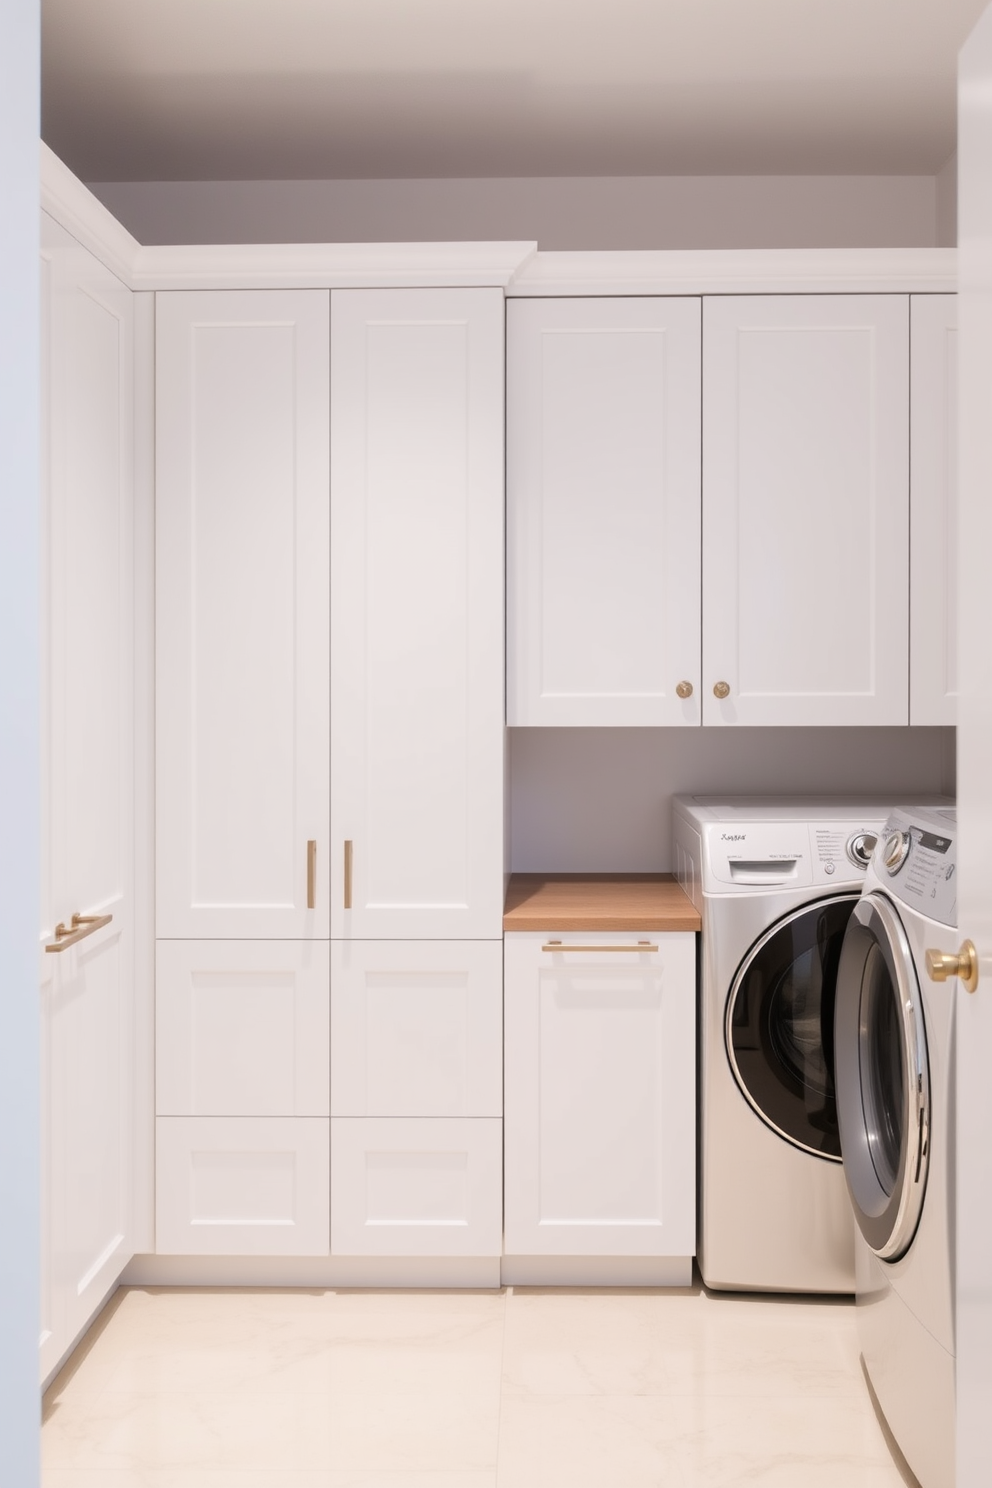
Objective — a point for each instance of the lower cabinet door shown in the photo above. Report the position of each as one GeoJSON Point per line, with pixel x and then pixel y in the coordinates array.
{"type": "Point", "coordinates": [403, 1186]}
{"type": "Point", "coordinates": [242, 1185]}
{"type": "Point", "coordinates": [599, 1099]}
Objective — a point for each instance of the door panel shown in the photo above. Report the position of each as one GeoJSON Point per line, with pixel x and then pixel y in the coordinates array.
{"type": "Point", "coordinates": [242, 628]}
{"type": "Point", "coordinates": [416, 626]}
{"type": "Point", "coordinates": [805, 509]}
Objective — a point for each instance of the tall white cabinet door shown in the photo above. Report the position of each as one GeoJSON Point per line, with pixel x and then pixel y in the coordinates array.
{"type": "Point", "coordinates": [87, 987]}
{"type": "Point", "coordinates": [603, 490]}
{"type": "Point", "coordinates": [600, 1110]}
{"type": "Point", "coordinates": [933, 589]}
{"type": "Point", "coordinates": [805, 509]}
{"type": "Point", "coordinates": [242, 614]}
{"type": "Point", "coordinates": [417, 613]}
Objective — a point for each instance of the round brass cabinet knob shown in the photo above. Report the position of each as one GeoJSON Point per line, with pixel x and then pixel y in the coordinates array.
{"type": "Point", "coordinates": [941, 966]}
{"type": "Point", "coordinates": [721, 689]}
{"type": "Point", "coordinates": [684, 690]}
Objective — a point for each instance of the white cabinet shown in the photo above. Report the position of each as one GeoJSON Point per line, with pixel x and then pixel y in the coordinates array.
{"type": "Point", "coordinates": [600, 1112]}
{"type": "Point", "coordinates": [805, 509]}
{"type": "Point", "coordinates": [242, 623]}
{"type": "Point", "coordinates": [87, 987]}
{"type": "Point", "coordinates": [603, 490]}
{"type": "Point", "coordinates": [417, 1028]}
{"type": "Point", "coordinates": [417, 613]}
{"type": "Point", "coordinates": [933, 634]}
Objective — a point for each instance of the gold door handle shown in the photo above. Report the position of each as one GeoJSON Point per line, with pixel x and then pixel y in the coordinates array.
{"type": "Point", "coordinates": [683, 690]}
{"type": "Point", "coordinates": [78, 928]}
{"type": "Point", "coordinates": [312, 874]}
{"type": "Point", "coordinates": [348, 854]}
{"type": "Point", "coordinates": [556, 945]}
{"type": "Point", "coordinates": [721, 689]}
{"type": "Point", "coordinates": [941, 966]}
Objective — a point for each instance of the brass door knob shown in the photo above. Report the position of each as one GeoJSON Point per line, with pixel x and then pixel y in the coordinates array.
{"type": "Point", "coordinates": [941, 966]}
{"type": "Point", "coordinates": [721, 689]}
{"type": "Point", "coordinates": [683, 690]}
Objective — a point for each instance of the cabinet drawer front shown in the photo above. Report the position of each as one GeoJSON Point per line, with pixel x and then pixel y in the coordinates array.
{"type": "Point", "coordinates": [248, 1186]}
{"type": "Point", "coordinates": [416, 1187]}
{"type": "Point", "coordinates": [600, 1096]}
{"type": "Point", "coordinates": [416, 1028]}
{"type": "Point", "coordinates": [603, 492]}
{"type": "Point", "coordinates": [242, 1028]}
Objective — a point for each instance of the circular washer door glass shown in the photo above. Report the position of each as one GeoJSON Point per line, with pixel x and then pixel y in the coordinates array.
{"type": "Point", "coordinates": [780, 1024]}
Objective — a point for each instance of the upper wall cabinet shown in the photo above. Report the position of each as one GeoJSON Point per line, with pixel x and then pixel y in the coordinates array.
{"type": "Point", "coordinates": [603, 481]}
{"type": "Point", "coordinates": [933, 511]}
{"type": "Point", "coordinates": [417, 613]}
{"type": "Point", "coordinates": [242, 614]}
{"type": "Point", "coordinates": [805, 509]}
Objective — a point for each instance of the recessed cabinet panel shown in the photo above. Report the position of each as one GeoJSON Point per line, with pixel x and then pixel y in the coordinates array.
{"type": "Point", "coordinates": [933, 639]}
{"type": "Point", "coordinates": [603, 489]}
{"type": "Point", "coordinates": [242, 628]}
{"type": "Point", "coordinates": [242, 1028]}
{"type": "Point", "coordinates": [241, 1186]}
{"type": "Point", "coordinates": [805, 509]}
{"type": "Point", "coordinates": [417, 612]}
{"type": "Point", "coordinates": [416, 1188]}
{"type": "Point", "coordinates": [416, 1028]}
{"type": "Point", "coordinates": [600, 1096]}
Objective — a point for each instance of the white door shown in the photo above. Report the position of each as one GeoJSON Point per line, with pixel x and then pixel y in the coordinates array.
{"type": "Point", "coordinates": [933, 542]}
{"type": "Point", "coordinates": [973, 1279]}
{"type": "Point", "coordinates": [599, 1095]}
{"type": "Point", "coordinates": [603, 491]}
{"type": "Point", "coordinates": [805, 509]}
{"type": "Point", "coordinates": [417, 613]}
{"type": "Point", "coordinates": [87, 964]}
{"type": "Point", "coordinates": [242, 614]}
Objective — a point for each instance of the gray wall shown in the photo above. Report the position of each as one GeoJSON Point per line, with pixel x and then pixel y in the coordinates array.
{"type": "Point", "coordinates": [560, 213]}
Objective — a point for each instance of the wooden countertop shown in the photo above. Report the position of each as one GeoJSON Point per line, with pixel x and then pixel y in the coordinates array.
{"type": "Point", "coordinates": [597, 901]}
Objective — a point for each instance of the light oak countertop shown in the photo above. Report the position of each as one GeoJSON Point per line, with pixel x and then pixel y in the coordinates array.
{"type": "Point", "coordinates": [597, 901]}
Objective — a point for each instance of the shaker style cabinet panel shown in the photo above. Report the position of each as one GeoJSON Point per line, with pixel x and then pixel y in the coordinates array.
{"type": "Point", "coordinates": [933, 631]}
{"type": "Point", "coordinates": [87, 773]}
{"type": "Point", "coordinates": [417, 613]}
{"type": "Point", "coordinates": [805, 509]}
{"type": "Point", "coordinates": [242, 1028]}
{"type": "Point", "coordinates": [600, 1111]}
{"type": "Point", "coordinates": [416, 1028]}
{"type": "Point", "coordinates": [603, 490]}
{"type": "Point", "coordinates": [242, 614]}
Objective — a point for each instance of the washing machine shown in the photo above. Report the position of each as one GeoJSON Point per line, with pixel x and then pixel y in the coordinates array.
{"type": "Point", "coordinates": [894, 1050]}
{"type": "Point", "coordinates": [775, 882]}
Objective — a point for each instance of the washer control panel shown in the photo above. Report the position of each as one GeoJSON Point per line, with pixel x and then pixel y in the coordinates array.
{"type": "Point", "coordinates": [916, 857]}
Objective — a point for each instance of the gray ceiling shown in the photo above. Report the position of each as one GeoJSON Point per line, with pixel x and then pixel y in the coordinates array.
{"type": "Point", "coordinates": [323, 89]}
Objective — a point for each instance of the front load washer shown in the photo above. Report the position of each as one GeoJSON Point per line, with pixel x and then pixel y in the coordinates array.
{"type": "Point", "coordinates": [895, 1100]}
{"type": "Point", "coordinates": [775, 881]}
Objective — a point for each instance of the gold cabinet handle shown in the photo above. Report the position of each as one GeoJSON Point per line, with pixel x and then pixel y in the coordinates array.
{"type": "Point", "coordinates": [683, 690]}
{"type": "Point", "coordinates": [721, 689]}
{"type": "Point", "coordinates": [556, 945]}
{"type": "Point", "coordinates": [941, 966]}
{"type": "Point", "coordinates": [348, 855]}
{"type": "Point", "coordinates": [78, 928]}
{"type": "Point", "coordinates": [312, 874]}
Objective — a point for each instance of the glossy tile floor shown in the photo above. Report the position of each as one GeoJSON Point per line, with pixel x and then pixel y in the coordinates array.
{"type": "Point", "coordinates": [514, 1389]}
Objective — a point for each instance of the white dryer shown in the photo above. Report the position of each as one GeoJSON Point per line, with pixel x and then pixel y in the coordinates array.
{"type": "Point", "coordinates": [895, 1098]}
{"type": "Point", "coordinates": [775, 881]}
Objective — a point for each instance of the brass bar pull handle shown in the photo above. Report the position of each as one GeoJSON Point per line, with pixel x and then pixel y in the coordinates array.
{"type": "Point", "coordinates": [642, 945]}
{"type": "Point", "coordinates": [348, 855]}
{"type": "Point", "coordinates": [78, 928]}
{"type": "Point", "coordinates": [311, 874]}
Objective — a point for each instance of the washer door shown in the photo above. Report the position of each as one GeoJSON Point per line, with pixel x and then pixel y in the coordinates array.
{"type": "Point", "coordinates": [780, 1024]}
{"type": "Point", "coordinates": [883, 1078]}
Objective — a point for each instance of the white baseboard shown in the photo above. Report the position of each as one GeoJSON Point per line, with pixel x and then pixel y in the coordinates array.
{"type": "Point", "coordinates": [331, 1272]}
{"type": "Point", "coordinates": [597, 1271]}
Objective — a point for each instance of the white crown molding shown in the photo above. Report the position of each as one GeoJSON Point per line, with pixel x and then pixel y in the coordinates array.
{"type": "Point", "coordinates": [740, 271]}
{"type": "Point", "coordinates": [74, 207]}
{"type": "Point", "coordinates": [329, 265]}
